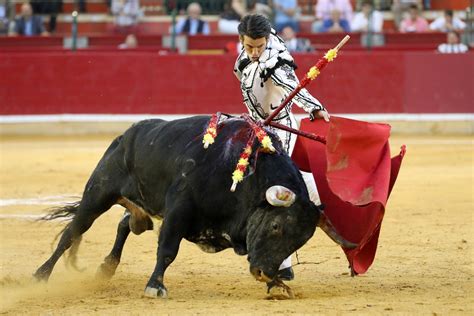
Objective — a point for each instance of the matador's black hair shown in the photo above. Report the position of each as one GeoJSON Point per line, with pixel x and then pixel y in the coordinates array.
{"type": "Point", "coordinates": [255, 26]}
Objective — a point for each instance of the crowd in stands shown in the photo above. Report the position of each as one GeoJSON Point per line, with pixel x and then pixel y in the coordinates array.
{"type": "Point", "coordinates": [329, 16]}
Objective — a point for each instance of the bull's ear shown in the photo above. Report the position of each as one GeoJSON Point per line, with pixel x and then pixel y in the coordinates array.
{"type": "Point", "coordinates": [278, 195]}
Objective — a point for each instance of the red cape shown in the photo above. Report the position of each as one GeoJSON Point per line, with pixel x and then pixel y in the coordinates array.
{"type": "Point", "coordinates": [354, 175]}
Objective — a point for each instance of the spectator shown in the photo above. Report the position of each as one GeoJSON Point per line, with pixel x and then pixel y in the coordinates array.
{"type": "Point", "coordinates": [335, 24]}
{"type": "Point", "coordinates": [414, 23]}
{"type": "Point", "coordinates": [3, 17]}
{"type": "Point", "coordinates": [28, 24]}
{"type": "Point", "coordinates": [381, 5]}
{"type": "Point", "coordinates": [399, 7]}
{"type": "Point", "coordinates": [126, 13]}
{"type": "Point", "coordinates": [426, 4]}
{"type": "Point", "coordinates": [263, 7]}
{"type": "Point", "coordinates": [131, 42]}
{"type": "Point", "coordinates": [81, 6]}
{"type": "Point", "coordinates": [229, 20]}
{"type": "Point", "coordinates": [286, 14]}
{"type": "Point", "coordinates": [323, 11]}
{"type": "Point", "coordinates": [447, 23]}
{"type": "Point", "coordinates": [193, 24]}
{"type": "Point", "coordinates": [452, 46]}
{"type": "Point", "coordinates": [294, 44]}
{"type": "Point", "coordinates": [210, 7]}
{"type": "Point", "coordinates": [51, 7]}
{"type": "Point", "coordinates": [367, 20]}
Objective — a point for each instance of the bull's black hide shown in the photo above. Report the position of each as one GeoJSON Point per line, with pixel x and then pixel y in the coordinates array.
{"type": "Point", "coordinates": [160, 169]}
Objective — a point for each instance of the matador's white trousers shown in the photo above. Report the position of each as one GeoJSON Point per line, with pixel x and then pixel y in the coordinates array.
{"type": "Point", "coordinates": [289, 140]}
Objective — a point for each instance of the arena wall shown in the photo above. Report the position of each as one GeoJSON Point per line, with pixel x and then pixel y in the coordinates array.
{"type": "Point", "coordinates": [94, 83]}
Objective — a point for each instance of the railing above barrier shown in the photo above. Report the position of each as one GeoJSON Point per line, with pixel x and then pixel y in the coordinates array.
{"type": "Point", "coordinates": [392, 41]}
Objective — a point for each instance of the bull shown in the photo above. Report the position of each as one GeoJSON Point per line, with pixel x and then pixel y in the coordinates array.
{"type": "Point", "coordinates": [159, 169]}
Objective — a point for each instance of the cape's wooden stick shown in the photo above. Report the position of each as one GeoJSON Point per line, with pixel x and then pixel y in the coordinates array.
{"type": "Point", "coordinates": [315, 137]}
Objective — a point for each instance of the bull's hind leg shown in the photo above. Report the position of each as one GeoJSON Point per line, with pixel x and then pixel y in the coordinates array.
{"type": "Point", "coordinates": [86, 213]}
{"type": "Point", "coordinates": [134, 220]}
{"type": "Point", "coordinates": [101, 192]}
{"type": "Point", "coordinates": [107, 269]}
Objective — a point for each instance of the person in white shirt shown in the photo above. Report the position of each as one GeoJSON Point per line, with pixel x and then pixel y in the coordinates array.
{"type": "Point", "coordinates": [126, 14]}
{"type": "Point", "coordinates": [266, 72]}
{"type": "Point", "coordinates": [3, 17]}
{"type": "Point", "coordinates": [229, 19]}
{"type": "Point", "coordinates": [193, 24]}
{"type": "Point", "coordinates": [367, 20]}
{"type": "Point", "coordinates": [452, 46]}
{"type": "Point", "coordinates": [447, 22]}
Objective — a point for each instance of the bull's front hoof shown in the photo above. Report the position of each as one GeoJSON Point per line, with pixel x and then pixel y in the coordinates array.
{"type": "Point", "coordinates": [276, 289]}
{"type": "Point", "coordinates": [105, 271]}
{"type": "Point", "coordinates": [154, 293]}
{"type": "Point", "coordinates": [42, 274]}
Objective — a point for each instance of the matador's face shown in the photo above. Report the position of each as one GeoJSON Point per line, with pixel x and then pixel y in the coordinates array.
{"type": "Point", "coordinates": [254, 47]}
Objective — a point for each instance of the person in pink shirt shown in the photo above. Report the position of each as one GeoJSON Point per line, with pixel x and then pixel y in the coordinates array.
{"type": "Point", "coordinates": [414, 22]}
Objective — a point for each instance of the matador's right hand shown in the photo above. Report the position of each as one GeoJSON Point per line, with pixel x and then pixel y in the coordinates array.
{"type": "Point", "coordinates": [318, 114]}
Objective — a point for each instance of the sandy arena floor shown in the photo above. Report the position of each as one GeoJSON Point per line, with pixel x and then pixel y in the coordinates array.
{"type": "Point", "coordinates": [424, 262]}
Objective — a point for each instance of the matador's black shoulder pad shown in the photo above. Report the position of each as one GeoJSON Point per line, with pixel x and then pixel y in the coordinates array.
{"type": "Point", "coordinates": [244, 63]}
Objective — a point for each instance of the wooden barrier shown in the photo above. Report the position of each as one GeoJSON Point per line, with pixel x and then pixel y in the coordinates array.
{"type": "Point", "coordinates": [146, 82]}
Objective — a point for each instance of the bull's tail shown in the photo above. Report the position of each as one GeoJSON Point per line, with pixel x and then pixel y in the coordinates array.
{"type": "Point", "coordinates": [325, 224]}
{"type": "Point", "coordinates": [66, 213]}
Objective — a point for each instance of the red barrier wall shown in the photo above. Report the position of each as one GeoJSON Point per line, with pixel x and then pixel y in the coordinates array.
{"type": "Point", "coordinates": [145, 82]}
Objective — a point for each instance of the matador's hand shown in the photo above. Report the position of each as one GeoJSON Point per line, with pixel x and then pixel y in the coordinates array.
{"type": "Point", "coordinates": [318, 114]}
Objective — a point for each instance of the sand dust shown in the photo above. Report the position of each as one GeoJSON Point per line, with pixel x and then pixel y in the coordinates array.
{"type": "Point", "coordinates": [424, 262]}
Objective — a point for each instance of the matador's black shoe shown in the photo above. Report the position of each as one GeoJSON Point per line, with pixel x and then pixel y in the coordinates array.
{"type": "Point", "coordinates": [286, 274]}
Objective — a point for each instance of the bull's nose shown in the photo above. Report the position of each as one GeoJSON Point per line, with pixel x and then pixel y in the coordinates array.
{"type": "Point", "coordinates": [256, 272]}
{"type": "Point", "coordinates": [259, 275]}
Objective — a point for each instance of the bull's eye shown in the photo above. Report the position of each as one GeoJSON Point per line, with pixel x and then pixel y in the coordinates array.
{"type": "Point", "coordinates": [275, 226]}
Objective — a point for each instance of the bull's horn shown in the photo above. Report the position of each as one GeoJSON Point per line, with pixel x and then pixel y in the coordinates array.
{"type": "Point", "coordinates": [278, 195]}
{"type": "Point", "coordinates": [327, 227]}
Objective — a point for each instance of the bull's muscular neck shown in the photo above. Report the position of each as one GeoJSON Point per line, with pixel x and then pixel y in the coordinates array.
{"type": "Point", "coordinates": [215, 238]}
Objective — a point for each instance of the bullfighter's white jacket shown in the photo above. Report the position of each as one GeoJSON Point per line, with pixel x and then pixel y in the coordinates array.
{"type": "Point", "coordinates": [266, 84]}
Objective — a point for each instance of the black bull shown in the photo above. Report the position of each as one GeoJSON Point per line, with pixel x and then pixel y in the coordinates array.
{"type": "Point", "coordinates": [160, 169]}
